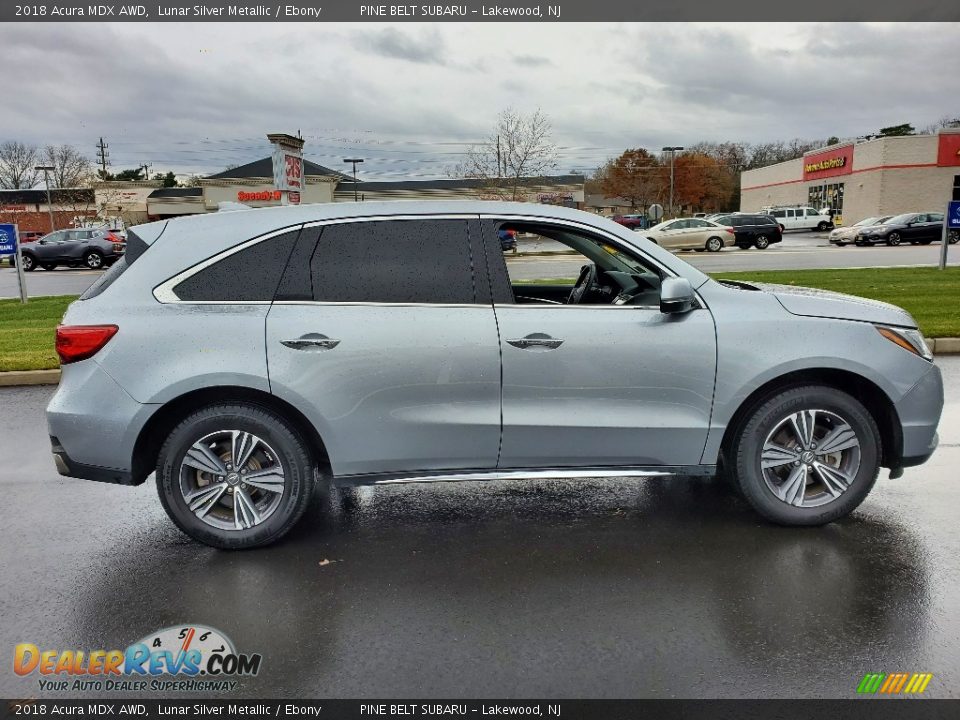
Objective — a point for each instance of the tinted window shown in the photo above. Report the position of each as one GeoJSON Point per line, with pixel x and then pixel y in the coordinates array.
{"type": "Point", "coordinates": [245, 276]}
{"type": "Point", "coordinates": [935, 217]}
{"type": "Point", "coordinates": [135, 248]}
{"type": "Point", "coordinates": [779, 213]}
{"type": "Point", "coordinates": [394, 261]}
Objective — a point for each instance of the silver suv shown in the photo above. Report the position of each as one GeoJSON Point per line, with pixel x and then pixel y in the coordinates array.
{"type": "Point", "coordinates": [253, 357]}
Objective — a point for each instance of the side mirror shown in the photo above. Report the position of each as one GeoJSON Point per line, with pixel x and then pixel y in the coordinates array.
{"type": "Point", "coordinates": [676, 296]}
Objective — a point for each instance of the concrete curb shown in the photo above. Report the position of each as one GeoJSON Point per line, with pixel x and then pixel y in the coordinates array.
{"type": "Point", "coordinates": [29, 377]}
{"type": "Point", "coordinates": [939, 346]}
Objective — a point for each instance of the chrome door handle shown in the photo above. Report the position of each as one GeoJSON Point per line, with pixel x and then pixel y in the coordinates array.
{"type": "Point", "coordinates": [536, 340]}
{"type": "Point", "coordinates": [311, 341]}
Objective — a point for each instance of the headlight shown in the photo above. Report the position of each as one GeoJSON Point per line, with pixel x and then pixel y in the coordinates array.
{"type": "Point", "coordinates": [911, 340]}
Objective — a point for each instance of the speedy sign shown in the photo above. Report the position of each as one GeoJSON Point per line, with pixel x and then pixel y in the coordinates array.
{"type": "Point", "coordinates": [8, 239]}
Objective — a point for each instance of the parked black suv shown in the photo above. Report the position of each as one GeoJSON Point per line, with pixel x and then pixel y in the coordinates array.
{"type": "Point", "coordinates": [757, 231]}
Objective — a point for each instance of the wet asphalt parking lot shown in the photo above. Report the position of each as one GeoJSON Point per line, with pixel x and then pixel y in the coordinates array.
{"type": "Point", "coordinates": [614, 588]}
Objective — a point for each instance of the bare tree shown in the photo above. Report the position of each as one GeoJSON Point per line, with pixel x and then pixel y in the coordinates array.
{"type": "Point", "coordinates": [70, 168]}
{"type": "Point", "coordinates": [519, 150]}
{"type": "Point", "coordinates": [17, 161]}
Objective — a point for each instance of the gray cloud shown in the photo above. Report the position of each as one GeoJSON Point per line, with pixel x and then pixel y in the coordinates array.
{"type": "Point", "coordinates": [198, 97]}
{"type": "Point", "coordinates": [395, 44]}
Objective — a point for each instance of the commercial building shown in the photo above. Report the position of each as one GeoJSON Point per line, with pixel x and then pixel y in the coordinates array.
{"type": "Point", "coordinates": [883, 176]}
{"type": "Point", "coordinates": [30, 210]}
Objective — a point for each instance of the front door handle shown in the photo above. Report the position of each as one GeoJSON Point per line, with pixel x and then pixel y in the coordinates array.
{"type": "Point", "coordinates": [536, 341]}
{"type": "Point", "coordinates": [311, 341]}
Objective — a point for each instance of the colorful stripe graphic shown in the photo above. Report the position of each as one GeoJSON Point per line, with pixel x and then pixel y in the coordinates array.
{"type": "Point", "coordinates": [894, 683]}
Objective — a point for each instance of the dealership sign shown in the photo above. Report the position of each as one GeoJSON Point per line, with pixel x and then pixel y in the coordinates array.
{"type": "Point", "coordinates": [8, 239]}
{"type": "Point", "coordinates": [838, 161]}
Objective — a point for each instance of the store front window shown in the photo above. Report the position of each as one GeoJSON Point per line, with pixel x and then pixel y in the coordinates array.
{"type": "Point", "coordinates": [827, 196]}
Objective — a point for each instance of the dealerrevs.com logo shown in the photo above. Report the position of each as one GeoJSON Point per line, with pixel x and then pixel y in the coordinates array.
{"type": "Point", "coordinates": [183, 657]}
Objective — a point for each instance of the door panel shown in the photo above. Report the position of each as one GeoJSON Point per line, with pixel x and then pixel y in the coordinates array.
{"type": "Point", "coordinates": [403, 389]}
{"type": "Point", "coordinates": [626, 386]}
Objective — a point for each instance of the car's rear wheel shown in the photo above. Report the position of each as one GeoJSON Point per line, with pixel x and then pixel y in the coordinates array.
{"type": "Point", "coordinates": [29, 264]}
{"type": "Point", "coordinates": [807, 456]}
{"type": "Point", "coordinates": [714, 244]}
{"type": "Point", "coordinates": [48, 266]}
{"type": "Point", "coordinates": [762, 242]}
{"type": "Point", "coordinates": [894, 239]}
{"type": "Point", "coordinates": [93, 260]}
{"type": "Point", "coordinates": [235, 476]}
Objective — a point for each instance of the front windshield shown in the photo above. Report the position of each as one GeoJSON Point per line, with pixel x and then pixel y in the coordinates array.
{"type": "Point", "coordinates": [866, 221]}
{"type": "Point", "coordinates": [899, 219]}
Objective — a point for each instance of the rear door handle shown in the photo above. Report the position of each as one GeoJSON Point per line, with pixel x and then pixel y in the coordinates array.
{"type": "Point", "coordinates": [311, 341]}
{"type": "Point", "coordinates": [536, 341]}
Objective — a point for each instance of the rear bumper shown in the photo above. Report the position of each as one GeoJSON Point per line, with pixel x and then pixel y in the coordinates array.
{"type": "Point", "coordinates": [71, 468]}
{"type": "Point", "coordinates": [93, 424]}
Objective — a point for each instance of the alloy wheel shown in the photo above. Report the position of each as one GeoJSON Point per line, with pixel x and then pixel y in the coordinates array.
{"type": "Point", "coordinates": [894, 239]}
{"type": "Point", "coordinates": [714, 245]}
{"type": "Point", "coordinates": [953, 237]}
{"type": "Point", "coordinates": [232, 480]}
{"type": "Point", "coordinates": [810, 458]}
{"type": "Point", "coordinates": [94, 261]}
{"type": "Point", "coordinates": [762, 242]}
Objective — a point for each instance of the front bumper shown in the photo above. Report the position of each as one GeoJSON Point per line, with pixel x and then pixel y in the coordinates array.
{"type": "Point", "coordinates": [919, 412]}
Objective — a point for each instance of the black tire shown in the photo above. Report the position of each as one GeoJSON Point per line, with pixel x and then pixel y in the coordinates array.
{"type": "Point", "coordinates": [823, 226]}
{"type": "Point", "coordinates": [713, 244]}
{"type": "Point", "coordinates": [93, 260]}
{"type": "Point", "coordinates": [762, 242]}
{"type": "Point", "coordinates": [48, 266]}
{"type": "Point", "coordinates": [953, 237]}
{"type": "Point", "coordinates": [29, 262]}
{"type": "Point", "coordinates": [293, 454]}
{"type": "Point", "coordinates": [894, 239]}
{"type": "Point", "coordinates": [748, 444]}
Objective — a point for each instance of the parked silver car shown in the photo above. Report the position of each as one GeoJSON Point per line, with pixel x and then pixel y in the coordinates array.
{"type": "Point", "coordinates": [252, 357]}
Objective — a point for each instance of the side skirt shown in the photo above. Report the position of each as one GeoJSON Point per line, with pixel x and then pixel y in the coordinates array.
{"type": "Point", "coordinates": [523, 474]}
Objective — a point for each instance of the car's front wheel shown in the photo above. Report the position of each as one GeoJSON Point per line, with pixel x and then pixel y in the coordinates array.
{"type": "Point", "coordinates": [894, 239]}
{"type": "Point", "coordinates": [29, 263]}
{"type": "Point", "coordinates": [235, 476]}
{"type": "Point", "coordinates": [953, 237]}
{"type": "Point", "coordinates": [822, 226]}
{"type": "Point", "coordinates": [807, 456]}
{"type": "Point", "coordinates": [714, 244]}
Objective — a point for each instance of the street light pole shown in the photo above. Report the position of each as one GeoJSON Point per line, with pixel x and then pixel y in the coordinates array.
{"type": "Point", "coordinates": [46, 181]}
{"type": "Point", "coordinates": [354, 161]}
{"type": "Point", "coordinates": [672, 149]}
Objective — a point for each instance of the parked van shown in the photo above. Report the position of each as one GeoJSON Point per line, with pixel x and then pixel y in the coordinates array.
{"type": "Point", "coordinates": [799, 218]}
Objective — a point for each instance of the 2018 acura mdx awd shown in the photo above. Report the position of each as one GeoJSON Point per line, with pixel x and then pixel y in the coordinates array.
{"type": "Point", "coordinates": [252, 357]}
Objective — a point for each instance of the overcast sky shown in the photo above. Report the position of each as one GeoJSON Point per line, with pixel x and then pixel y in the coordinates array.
{"type": "Point", "coordinates": [198, 97]}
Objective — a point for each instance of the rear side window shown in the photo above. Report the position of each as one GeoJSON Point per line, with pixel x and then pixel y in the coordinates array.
{"type": "Point", "coordinates": [248, 275]}
{"type": "Point", "coordinates": [135, 248]}
{"type": "Point", "coordinates": [394, 261]}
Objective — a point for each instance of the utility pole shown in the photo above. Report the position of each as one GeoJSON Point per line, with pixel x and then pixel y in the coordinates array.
{"type": "Point", "coordinates": [46, 181]}
{"type": "Point", "coordinates": [354, 161]}
{"type": "Point", "coordinates": [102, 156]}
{"type": "Point", "coordinates": [672, 149]}
{"type": "Point", "coordinates": [498, 157]}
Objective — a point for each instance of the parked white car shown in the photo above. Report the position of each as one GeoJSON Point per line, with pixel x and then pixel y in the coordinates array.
{"type": "Point", "coordinates": [799, 218]}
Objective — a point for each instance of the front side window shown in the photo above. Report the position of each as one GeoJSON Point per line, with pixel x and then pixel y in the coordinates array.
{"type": "Point", "coordinates": [609, 274]}
{"type": "Point", "coordinates": [394, 261]}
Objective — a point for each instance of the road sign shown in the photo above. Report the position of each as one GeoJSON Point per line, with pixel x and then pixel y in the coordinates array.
{"type": "Point", "coordinates": [655, 211]}
{"type": "Point", "coordinates": [953, 215]}
{"type": "Point", "coordinates": [8, 239]}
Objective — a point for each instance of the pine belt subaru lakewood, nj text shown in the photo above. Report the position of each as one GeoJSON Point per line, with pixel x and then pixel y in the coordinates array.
{"type": "Point", "coordinates": [253, 357]}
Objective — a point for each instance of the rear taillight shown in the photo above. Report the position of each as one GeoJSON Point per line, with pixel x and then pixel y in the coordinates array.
{"type": "Point", "coordinates": [730, 230]}
{"type": "Point", "coordinates": [79, 342]}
